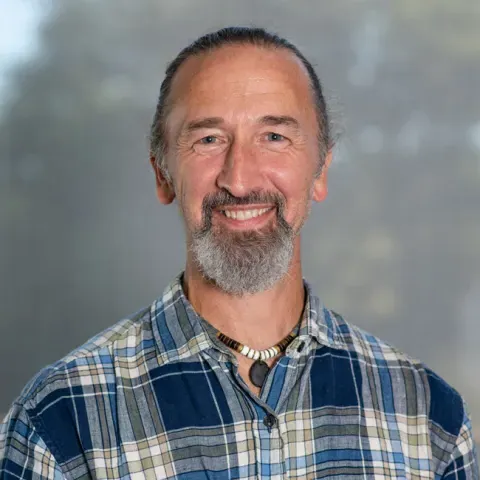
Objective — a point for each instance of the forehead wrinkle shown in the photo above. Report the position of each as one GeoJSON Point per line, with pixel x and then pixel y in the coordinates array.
{"type": "Point", "coordinates": [274, 120]}
{"type": "Point", "coordinates": [235, 90]}
{"type": "Point", "coordinates": [205, 122]}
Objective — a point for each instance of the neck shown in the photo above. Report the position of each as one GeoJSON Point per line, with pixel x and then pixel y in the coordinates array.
{"type": "Point", "coordinates": [259, 320]}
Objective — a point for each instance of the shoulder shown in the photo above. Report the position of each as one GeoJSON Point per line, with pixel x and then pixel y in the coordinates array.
{"type": "Point", "coordinates": [432, 412]}
{"type": "Point", "coordinates": [61, 406]}
{"type": "Point", "coordinates": [410, 379]}
{"type": "Point", "coordinates": [91, 364]}
{"type": "Point", "coordinates": [368, 347]}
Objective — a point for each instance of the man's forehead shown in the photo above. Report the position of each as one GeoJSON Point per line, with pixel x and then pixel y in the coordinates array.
{"type": "Point", "coordinates": [239, 70]}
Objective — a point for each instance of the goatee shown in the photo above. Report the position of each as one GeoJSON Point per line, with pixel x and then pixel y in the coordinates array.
{"type": "Point", "coordinates": [243, 262]}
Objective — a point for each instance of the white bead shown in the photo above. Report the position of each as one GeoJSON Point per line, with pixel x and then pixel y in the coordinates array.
{"type": "Point", "coordinates": [256, 355]}
{"type": "Point", "coordinates": [245, 350]}
{"type": "Point", "coordinates": [272, 352]}
{"type": "Point", "coordinates": [263, 355]}
{"type": "Point", "coordinates": [251, 353]}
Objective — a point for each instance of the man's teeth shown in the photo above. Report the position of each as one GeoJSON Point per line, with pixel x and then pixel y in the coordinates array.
{"type": "Point", "coordinates": [244, 214]}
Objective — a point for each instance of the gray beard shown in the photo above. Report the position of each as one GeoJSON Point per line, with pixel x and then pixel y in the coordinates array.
{"type": "Point", "coordinates": [242, 263]}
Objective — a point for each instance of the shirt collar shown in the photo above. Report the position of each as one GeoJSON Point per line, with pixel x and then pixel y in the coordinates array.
{"type": "Point", "coordinates": [180, 332]}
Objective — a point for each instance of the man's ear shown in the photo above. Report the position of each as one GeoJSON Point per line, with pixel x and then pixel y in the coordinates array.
{"type": "Point", "coordinates": [164, 187]}
{"type": "Point", "coordinates": [320, 187]}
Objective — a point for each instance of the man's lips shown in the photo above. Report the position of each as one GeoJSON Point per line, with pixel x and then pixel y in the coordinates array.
{"type": "Point", "coordinates": [245, 212]}
{"type": "Point", "coordinates": [245, 215]}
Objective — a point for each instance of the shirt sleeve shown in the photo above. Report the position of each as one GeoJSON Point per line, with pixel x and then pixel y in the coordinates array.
{"type": "Point", "coordinates": [463, 464]}
{"type": "Point", "coordinates": [23, 453]}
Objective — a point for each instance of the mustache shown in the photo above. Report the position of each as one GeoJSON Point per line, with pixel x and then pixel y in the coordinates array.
{"type": "Point", "coordinates": [224, 198]}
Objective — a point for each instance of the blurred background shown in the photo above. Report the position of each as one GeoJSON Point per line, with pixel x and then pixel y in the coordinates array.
{"type": "Point", "coordinates": [395, 248]}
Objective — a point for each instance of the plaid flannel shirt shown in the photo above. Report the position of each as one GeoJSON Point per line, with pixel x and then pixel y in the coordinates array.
{"type": "Point", "coordinates": [158, 396]}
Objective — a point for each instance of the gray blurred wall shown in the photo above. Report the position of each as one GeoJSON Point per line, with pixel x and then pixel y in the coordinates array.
{"type": "Point", "coordinates": [395, 248]}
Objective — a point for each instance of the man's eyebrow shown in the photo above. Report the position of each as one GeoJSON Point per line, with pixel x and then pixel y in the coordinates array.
{"type": "Point", "coordinates": [212, 122]}
{"type": "Point", "coordinates": [274, 120]}
{"type": "Point", "coordinates": [207, 122]}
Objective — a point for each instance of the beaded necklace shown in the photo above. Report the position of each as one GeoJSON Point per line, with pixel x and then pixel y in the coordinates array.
{"type": "Point", "coordinates": [259, 369]}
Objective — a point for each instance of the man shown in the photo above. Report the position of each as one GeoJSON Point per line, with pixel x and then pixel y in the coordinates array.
{"type": "Point", "coordinates": [238, 371]}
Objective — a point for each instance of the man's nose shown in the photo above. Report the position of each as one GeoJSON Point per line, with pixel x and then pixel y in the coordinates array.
{"type": "Point", "coordinates": [240, 174]}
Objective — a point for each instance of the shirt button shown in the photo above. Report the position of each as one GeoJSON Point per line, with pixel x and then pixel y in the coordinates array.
{"type": "Point", "coordinates": [269, 420]}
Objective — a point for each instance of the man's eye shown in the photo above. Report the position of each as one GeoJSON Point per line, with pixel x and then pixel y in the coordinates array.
{"type": "Point", "coordinates": [210, 145]}
{"type": "Point", "coordinates": [275, 137]}
{"type": "Point", "coordinates": [208, 140]}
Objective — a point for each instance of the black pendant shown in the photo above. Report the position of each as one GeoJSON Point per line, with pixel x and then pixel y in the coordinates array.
{"type": "Point", "coordinates": [258, 372]}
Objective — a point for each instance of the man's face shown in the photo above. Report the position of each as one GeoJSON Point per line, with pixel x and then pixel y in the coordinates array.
{"type": "Point", "coordinates": [242, 138]}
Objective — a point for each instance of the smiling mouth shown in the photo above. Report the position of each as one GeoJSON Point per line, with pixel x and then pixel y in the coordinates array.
{"type": "Point", "coordinates": [245, 214]}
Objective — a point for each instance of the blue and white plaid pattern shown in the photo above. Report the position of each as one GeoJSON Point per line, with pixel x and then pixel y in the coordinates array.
{"type": "Point", "coordinates": [157, 396]}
